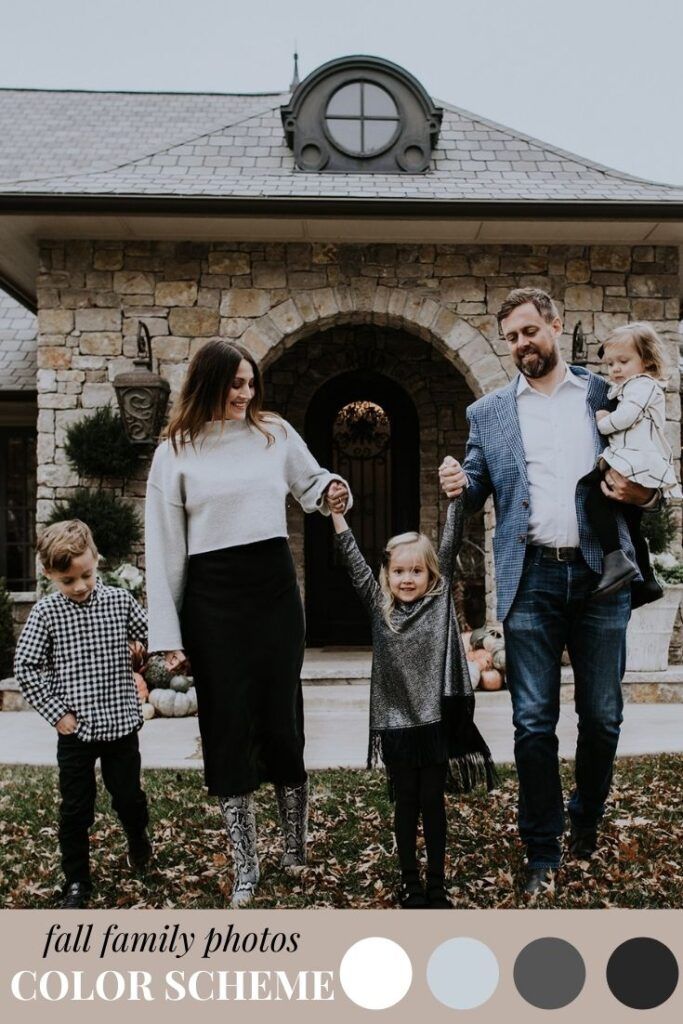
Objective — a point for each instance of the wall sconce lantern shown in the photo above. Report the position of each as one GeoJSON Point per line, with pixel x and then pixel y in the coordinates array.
{"type": "Point", "coordinates": [142, 395]}
{"type": "Point", "coordinates": [579, 348]}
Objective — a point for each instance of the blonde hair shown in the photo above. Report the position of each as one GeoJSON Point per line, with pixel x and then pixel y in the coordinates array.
{"type": "Point", "coordinates": [647, 344]}
{"type": "Point", "coordinates": [60, 543]}
{"type": "Point", "coordinates": [425, 550]}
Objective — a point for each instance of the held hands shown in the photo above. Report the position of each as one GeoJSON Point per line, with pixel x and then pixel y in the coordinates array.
{"type": "Point", "coordinates": [453, 480]}
{"type": "Point", "coordinates": [620, 488]}
{"type": "Point", "coordinates": [336, 497]}
{"type": "Point", "coordinates": [66, 724]}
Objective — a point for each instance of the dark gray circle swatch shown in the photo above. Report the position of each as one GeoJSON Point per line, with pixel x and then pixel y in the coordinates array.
{"type": "Point", "coordinates": [642, 973]}
{"type": "Point", "coordinates": [549, 973]}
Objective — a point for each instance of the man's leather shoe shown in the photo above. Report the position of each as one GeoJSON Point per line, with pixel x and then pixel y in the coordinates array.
{"type": "Point", "coordinates": [75, 896]}
{"type": "Point", "coordinates": [538, 881]}
{"type": "Point", "coordinates": [583, 841]}
{"type": "Point", "coordinates": [617, 571]}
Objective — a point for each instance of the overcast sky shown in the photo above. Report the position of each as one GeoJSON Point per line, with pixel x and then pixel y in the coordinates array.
{"type": "Point", "coordinates": [601, 78]}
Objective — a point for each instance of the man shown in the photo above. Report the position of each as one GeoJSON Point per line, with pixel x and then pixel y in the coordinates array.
{"type": "Point", "coordinates": [530, 442]}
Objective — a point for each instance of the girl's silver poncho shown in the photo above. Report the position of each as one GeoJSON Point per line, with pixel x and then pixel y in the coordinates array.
{"type": "Point", "coordinates": [421, 698]}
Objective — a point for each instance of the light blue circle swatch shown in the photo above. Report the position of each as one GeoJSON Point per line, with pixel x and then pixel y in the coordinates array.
{"type": "Point", "coordinates": [462, 973]}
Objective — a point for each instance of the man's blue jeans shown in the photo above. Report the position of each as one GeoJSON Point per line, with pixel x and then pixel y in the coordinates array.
{"type": "Point", "coordinates": [552, 609]}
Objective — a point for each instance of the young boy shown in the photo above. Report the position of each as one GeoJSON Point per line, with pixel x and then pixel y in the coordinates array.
{"type": "Point", "coordinates": [73, 665]}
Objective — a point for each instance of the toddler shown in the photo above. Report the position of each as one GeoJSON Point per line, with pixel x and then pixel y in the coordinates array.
{"type": "Point", "coordinates": [73, 664]}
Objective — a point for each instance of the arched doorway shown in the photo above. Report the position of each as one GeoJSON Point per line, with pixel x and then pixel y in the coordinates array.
{"type": "Point", "coordinates": [364, 426]}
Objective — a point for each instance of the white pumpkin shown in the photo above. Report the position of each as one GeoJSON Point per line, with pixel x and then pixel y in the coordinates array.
{"type": "Point", "coordinates": [475, 673]}
{"type": "Point", "coordinates": [181, 706]}
{"type": "Point", "coordinates": [147, 711]}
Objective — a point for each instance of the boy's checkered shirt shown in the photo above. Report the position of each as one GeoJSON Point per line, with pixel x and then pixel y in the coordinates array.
{"type": "Point", "coordinates": [75, 658]}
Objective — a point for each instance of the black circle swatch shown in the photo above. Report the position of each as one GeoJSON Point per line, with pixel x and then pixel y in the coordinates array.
{"type": "Point", "coordinates": [642, 973]}
{"type": "Point", "coordinates": [549, 973]}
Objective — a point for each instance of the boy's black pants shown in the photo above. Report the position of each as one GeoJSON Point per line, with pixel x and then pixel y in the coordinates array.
{"type": "Point", "coordinates": [120, 764]}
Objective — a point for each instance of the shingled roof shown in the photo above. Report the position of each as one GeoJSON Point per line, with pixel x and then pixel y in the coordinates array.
{"type": "Point", "coordinates": [18, 333]}
{"type": "Point", "coordinates": [187, 145]}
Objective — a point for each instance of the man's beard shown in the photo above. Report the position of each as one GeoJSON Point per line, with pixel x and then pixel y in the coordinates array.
{"type": "Point", "coordinates": [539, 365]}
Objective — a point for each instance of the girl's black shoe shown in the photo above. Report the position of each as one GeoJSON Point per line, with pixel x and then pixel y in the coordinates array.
{"type": "Point", "coordinates": [437, 897]}
{"type": "Point", "coordinates": [411, 895]}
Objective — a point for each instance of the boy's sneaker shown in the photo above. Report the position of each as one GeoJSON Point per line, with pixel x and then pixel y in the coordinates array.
{"type": "Point", "coordinates": [76, 896]}
{"type": "Point", "coordinates": [140, 849]}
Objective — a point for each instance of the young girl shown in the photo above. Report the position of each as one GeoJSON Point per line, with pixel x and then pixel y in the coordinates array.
{"type": "Point", "coordinates": [421, 699]}
{"type": "Point", "coordinates": [637, 448]}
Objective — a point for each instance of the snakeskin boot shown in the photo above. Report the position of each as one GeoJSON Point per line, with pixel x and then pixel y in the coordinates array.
{"type": "Point", "coordinates": [292, 805]}
{"type": "Point", "coordinates": [238, 812]}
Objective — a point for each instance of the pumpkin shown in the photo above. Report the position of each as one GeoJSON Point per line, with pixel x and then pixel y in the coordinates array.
{"type": "Point", "coordinates": [493, 642]}
{"type": "Point", "coordinates": [477, 637]}
{"type": "Point", "coordinates": [192, 697]}
{"type": "Point", "coordinates": [143, 692]}
{"type": "Point", "coordinates": [147, 711]}
{"type": "Point", "coordinates": [181, 705]}
{"type": "Point", "coordinates": [163, 701]}
{"type": "Point", "coordinates": [475, 673]}
{"type": "Point", "coordinates": [481, 658]}
{"type": "Point", "coordinates": [499, 659]}
{"type": "Point", "coordinates": [491, 679]}
{"type": "Point", "coordinates": [156, 673]}
{"type": "Point", "coordinates": [181, 684]}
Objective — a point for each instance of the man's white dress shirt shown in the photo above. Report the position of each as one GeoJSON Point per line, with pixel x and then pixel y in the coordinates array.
{"type": "Point", "coordinates": [559, 447]}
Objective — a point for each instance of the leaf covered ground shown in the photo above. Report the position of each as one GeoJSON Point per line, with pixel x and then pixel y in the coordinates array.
{"type": "Point", "coordinates": [352, 860]}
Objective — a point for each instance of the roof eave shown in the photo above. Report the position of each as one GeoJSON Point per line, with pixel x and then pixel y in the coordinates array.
{"type": "Point", "coordinates": [267, 206]}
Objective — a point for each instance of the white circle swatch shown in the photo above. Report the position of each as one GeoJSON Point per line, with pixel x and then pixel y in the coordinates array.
{"type": "Point", "coordinates": [462, 973]}
{"type": "Point", "coordinates": [375, 973]}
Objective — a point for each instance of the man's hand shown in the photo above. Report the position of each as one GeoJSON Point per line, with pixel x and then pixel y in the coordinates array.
{"type": "Point", "coordinates": [600, 414]}
{"type": "Point", "coordinates": [174, 659]}
{"type": "Point", "coordinates": [66, 724]}
{"type": "Point", "coordinates": [336, 497]}
{"type": "Point", "coordinates": [453, 480]}
{"type": "Point", "coordinates": [620, 488]}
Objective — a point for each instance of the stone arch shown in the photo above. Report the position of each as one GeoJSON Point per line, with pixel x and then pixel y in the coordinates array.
{"type": "Point", "coordinates": [483, 364]}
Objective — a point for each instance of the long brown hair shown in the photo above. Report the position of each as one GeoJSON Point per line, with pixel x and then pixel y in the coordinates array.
{"type": "Point", "coordinates": [204, 393]}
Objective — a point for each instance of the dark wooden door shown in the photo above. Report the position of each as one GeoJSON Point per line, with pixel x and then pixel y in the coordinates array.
{"type": "Point", "coordinates": [364, 427]}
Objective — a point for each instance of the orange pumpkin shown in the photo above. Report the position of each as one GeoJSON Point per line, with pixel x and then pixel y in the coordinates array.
{"type": "Point", "coordinates": [482, 658]}
{"type": "Point", "coordinates": [143, 692]}
{"type": "Point", "coordinates": [491, 679]}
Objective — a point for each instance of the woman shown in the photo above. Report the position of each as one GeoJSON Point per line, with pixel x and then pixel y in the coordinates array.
{"type": "Point", "coordinates": [221, 586]}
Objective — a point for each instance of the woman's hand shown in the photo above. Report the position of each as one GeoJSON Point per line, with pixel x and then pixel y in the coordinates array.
{"type": "Point", "coordinates": [174, 660]}
{"type": "Point", "coordinates": [337, 496]}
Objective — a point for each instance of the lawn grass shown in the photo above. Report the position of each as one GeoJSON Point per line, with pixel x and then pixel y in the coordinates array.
{"type": "Point", "coordinates": [352, 860]}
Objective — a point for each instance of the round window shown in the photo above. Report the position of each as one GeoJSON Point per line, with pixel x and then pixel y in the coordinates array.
{"type": "Point", "coordinates": [362, 118]}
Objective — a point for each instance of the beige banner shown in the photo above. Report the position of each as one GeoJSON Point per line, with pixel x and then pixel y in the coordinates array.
{"type": "Point", "coordinates": [290, 962]}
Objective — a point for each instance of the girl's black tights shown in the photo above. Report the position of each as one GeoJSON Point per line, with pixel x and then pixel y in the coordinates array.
{"type": "Point", "coordinates": [420, 791]}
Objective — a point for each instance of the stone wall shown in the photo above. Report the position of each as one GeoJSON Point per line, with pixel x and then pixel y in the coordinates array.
{"type": "Point", "coordinates": [91, 296]}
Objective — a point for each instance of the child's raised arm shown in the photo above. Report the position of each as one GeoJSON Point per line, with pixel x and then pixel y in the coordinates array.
{"type": "Point", "coordinates": [364, 583]}
{"type": "Point", "coordinates": [451, 538]}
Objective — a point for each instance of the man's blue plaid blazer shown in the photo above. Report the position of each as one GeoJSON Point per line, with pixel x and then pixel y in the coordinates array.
{"type": "Point", "coordinates": [495, 464]}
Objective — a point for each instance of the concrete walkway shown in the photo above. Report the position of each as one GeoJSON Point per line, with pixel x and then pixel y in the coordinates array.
{"type": "Point", "coordinates": [337, 731]}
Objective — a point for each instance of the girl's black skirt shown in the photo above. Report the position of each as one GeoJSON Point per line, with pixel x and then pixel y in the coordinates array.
{"type": "Point", "coordinates": [244, 633]}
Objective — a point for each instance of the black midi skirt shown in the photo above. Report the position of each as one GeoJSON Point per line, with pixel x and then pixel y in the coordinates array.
{"type": "Point", "coordinates": [243, 630]}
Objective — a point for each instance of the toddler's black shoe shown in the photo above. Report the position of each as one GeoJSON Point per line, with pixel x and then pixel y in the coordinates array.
{"type": "Point", "coordinates": [76, 896]}
{"type": "Point", "coordinates": [437, 897]}
{"type": "Point", "coordinates": [617, 571]}
{"type": "Point", "coordinates": [139, 849]}
{"type": "Point", "coordinates": [411, 895]}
